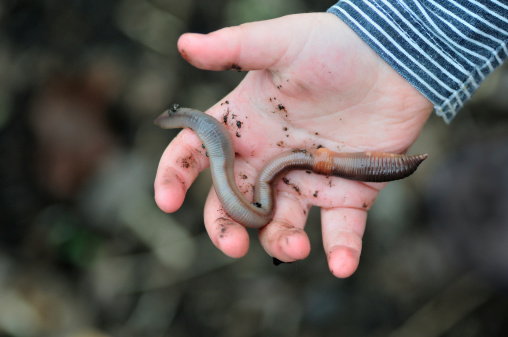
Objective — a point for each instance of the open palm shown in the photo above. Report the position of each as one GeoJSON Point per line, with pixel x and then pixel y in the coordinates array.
{"type": "Point", "coordinates": [312, 82]}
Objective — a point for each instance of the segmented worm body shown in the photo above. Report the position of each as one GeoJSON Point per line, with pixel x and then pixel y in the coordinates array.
{"type": "Point", "coordinates": [359, 166]}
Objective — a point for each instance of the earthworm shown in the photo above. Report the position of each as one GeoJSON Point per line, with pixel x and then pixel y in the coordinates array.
{"type": "Point", "coordinates": [359, 166]}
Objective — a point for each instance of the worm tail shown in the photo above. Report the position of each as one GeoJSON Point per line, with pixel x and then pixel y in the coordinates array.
{"type": "Point", "coordinates": [376, 166]}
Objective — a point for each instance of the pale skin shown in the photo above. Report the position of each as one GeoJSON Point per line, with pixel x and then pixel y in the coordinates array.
{"type": "Point", "coordinates": [334, 91]}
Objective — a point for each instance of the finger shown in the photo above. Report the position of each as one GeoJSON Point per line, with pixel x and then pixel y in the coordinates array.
{"type": "Point", "coordinates": [226, 234]}
{"type": "Point", "coordinates": [179, 166]}
{"type": "Point", "coordinates": [343, 230]}
{"type": "Point", "coordinates": [284, 237]}
{"type": "Point", "coordinates": [251, 46]}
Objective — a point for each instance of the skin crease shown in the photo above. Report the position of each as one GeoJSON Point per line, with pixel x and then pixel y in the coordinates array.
{"type": "Point", "coordinates": [330, 83]}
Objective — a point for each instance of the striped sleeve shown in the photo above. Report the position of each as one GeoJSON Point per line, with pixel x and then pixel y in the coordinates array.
{"type": "Point", "coordinates": [445, 49]}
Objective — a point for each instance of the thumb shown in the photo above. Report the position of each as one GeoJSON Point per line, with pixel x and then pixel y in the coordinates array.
{"type": "Point", "coordinates": [251, 46]}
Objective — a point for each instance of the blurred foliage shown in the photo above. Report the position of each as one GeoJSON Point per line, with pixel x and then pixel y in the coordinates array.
{"type": "Point", "coordinates": [84, 251]}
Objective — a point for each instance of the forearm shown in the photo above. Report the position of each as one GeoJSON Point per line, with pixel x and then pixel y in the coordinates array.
{"type": "Point", "coordinates": [444, 49]}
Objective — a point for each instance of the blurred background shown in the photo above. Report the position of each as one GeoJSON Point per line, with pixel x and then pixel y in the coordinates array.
{"type": "Point", "coordinates": [85, 252]}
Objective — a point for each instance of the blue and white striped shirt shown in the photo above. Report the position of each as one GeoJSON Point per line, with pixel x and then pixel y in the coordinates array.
{"type": "Point", "coordinates": [445, 49]}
